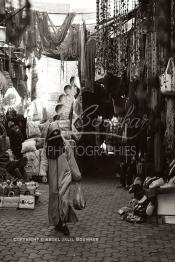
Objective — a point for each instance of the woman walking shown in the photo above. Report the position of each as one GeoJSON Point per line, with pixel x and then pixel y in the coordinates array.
{"type": "Point", "coordinates": [62, 170]}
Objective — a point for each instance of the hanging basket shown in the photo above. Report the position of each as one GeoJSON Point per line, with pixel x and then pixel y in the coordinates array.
{"type": "Point", "coordinates": [167, 79]}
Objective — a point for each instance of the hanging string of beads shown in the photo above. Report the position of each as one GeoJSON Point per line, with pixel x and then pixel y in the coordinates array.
{"type": "Point", "coordinates": [112, 37]}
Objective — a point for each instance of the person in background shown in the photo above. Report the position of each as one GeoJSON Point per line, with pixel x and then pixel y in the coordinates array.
{"type": "Point", "coordinates": [62, 99]}
{"type": "Point", "coordinates": [74, 88]}
{"type": "Point", "coordinates": [67, 102]}
{"type": "Point", "coordinates": [68, 92]}
{"type": "Point", "coordinates": [16, 168]}
{"type": "Point", "coordinates": [63, 116]}
{"type": "Point", "coordinates": [59, 112]}
{"type": "Point", "coordinates": [62, 169]}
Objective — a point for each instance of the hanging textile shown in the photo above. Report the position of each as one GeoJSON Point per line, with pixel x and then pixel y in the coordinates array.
{"type": "Point", "coordinates": [69, 47]}
{"type": "Point", "coordinates": [90, 53]}
{"type": "Point", "coordinates": [3, 83]}
{"type": "Point", "coordinates": [22, 89]}
{"type": "Point", "coordinates": [19, 80]}
{"type": "Point", "coordinates": [51, 37]}
{"type": "Point", "coordinates": [157, 151]}
{"type": "Point", "coordinates": [2, 7]}
{"type": "Point", "coordinates": [18, 23]}
{"type": "Point", "coordinates": [60, 36]}
{"type": "Point", "coordinates": [170, 124]}
{"type": "Point", "coordinates": [82, 60]}
{"type": "Point", "coordinates": [34, 81]}
{"type": "Point", "coordinates": [31, 37]}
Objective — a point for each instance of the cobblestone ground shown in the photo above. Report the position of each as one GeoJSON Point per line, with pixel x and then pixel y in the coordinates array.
{"type": "Point", "coordinates": [117, 240]}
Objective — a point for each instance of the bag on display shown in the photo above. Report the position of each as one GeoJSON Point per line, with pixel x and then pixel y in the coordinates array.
{"type": "Point", "coordinates": [167, 79]}
{"type": "Point", "coordinates": [27, 201]}
{"type": "Point", "coordinates": [11, 200]}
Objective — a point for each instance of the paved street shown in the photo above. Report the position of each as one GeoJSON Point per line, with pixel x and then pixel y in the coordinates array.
{"type": "Point", "coordinates": [108, 238]}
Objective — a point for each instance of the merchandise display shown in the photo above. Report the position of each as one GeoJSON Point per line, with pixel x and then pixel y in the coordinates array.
{"type": "Point", "coordinates": [18, 194]}
{"type": "Point", "coordinates": [151, 200]}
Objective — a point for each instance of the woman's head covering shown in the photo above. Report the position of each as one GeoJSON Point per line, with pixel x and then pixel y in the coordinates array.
{"type": "Point", "coordinates": [55, 142]}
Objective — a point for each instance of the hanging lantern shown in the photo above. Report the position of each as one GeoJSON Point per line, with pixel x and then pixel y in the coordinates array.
{"type": "Point", "coordinates": [2, 35]}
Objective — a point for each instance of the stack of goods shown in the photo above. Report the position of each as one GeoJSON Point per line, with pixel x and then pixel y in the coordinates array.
{"type": "Point", "coordinates": [18, 194]}
{"type": "Point", "coordinates": [30, 151]}
{"type": "Point", "coordinates": [130, 212]}
{"type": "Point", "coordinates": [144, 203]}
{"type": "Point", "coordinates": [32, 148]}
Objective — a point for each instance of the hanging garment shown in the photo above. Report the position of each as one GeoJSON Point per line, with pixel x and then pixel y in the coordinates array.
{"type": "Point", "coordinates": [33, 84]}
{"type": "Point", "coordinates": [17, 25]}
{"type": "Point", "coordinates": [157, 152]}
{"type": "Point", "coordinates": [82, 60]}
{"type": "Point", "coordinates": [90, 52]}
{"type": "Point", "coordinates": [69, 47]}
{"type": "Point", "coordinates": [19, 81]}
{"type": "Point", "coordinates": [2, 7]}
{"type": "Point", "coordinates": [3, 83]}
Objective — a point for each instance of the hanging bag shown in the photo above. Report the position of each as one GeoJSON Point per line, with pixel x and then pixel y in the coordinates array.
{"type": "Point", "coordinates": [167, 79]}
{"type": "Point", "coordinates": [79, 201]}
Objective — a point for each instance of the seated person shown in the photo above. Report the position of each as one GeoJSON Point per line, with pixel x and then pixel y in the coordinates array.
{"type": "Point", "coordinates": [16, 139]}
{"type": "Point", "coordinates": [16, 168]}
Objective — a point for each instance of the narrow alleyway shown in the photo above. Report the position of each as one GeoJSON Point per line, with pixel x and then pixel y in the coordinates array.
{"type": "Point", "coordinates": [108, 238]}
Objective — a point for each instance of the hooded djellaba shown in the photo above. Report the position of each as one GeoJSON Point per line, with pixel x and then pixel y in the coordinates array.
{"type": "Point", "coordinates": [62, 170]}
